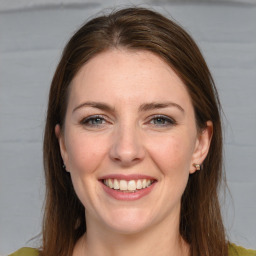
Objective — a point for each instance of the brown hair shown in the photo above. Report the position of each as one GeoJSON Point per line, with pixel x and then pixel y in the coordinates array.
{"type": "Point", "coordinates": [136, 29]}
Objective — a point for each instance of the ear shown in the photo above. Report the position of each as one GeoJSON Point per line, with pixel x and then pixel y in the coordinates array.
{"type": "Point", "coordinates": [202, 146]}
{"type": "Point", "coordinates": [60, 136]}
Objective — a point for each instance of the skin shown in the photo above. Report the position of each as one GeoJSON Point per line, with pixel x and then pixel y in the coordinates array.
{"type": "Point", "coordinates": [157, 140]}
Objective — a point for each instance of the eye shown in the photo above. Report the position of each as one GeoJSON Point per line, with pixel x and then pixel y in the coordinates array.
{"type": "Point", "coordinates": [162, 121]}
{"type": "Point", "coordinates": [93, 121]}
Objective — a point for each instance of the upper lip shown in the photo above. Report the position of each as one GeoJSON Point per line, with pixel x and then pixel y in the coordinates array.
{"type": "Point", "coordinates": [127, 177]}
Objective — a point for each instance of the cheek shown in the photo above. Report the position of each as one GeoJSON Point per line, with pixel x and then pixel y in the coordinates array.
{"type": "Point", "coordinates": [85, 153]}
{"type": "Point", "coordinates": [172, 154]}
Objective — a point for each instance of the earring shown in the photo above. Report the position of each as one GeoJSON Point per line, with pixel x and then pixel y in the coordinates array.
{"type": "Point", "coordinates": [197, 166]}
{"type": "Point", "coordinates": [64, 167]}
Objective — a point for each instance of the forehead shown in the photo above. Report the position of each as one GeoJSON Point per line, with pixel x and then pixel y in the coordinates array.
{"type": "Point", "coordinates": [129, 76]}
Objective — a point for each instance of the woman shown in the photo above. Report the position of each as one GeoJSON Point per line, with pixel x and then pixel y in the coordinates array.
{"type": "Point", "coordinates": [133, 144]}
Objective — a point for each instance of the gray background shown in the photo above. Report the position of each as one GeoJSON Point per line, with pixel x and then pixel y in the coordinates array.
{"type": "Point", "coordinates": [32, 35]}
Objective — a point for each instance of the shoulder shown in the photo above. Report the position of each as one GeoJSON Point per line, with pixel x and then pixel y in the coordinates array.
{"type": "Point", "coordinates": [26, 251]}
{"type": "Point", "coordinates": [234, 250]}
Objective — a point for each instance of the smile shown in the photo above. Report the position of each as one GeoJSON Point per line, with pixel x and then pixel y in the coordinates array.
{"type": "Point", "coordinates": [128, 185]}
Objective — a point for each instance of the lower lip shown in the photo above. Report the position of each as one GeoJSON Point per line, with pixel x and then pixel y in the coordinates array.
{"type": "Point", "coordinates": [128, 196]}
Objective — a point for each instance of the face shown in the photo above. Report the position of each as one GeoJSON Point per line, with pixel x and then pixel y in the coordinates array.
{"type": "Point", "coordinates": [130, 141]}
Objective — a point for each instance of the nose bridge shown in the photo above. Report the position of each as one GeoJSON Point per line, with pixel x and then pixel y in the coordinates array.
{"type": "Point", "coordinates": [127, 147]}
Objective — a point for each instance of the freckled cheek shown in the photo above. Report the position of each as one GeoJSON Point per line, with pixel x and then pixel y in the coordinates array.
{"type": "Point", "coordinates": [170, 154]}
{"type": "Point", "coordinates": [86, 154]}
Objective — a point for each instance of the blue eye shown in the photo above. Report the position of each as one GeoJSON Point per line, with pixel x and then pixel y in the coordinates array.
{"type": "Point", "coordinates": [162, 121]}
{"type": "Point", "coordinates": [93, 121]}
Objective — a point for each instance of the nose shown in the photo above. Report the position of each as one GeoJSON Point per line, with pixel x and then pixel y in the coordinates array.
{"type": "Point", "coordinates": [127, 148]}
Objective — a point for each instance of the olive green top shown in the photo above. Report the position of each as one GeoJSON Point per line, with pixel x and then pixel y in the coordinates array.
{"type": "Point", "coordinates": [233, 250]}
{"type": "Point", "coordinates": [26, 251]}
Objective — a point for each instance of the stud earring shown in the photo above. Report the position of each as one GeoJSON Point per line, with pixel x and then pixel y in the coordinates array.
{"type": "Point", "coordinates": [197, 166]}
{"type": "Point", "coordinates": [64, 167]}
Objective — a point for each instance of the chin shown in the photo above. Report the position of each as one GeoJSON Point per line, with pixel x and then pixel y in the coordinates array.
{"type": "Point", "coordinates": [128, 222]}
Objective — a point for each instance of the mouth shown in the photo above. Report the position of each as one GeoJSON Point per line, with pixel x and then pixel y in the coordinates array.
{"type": "Point", "coordinates": [128, 186]}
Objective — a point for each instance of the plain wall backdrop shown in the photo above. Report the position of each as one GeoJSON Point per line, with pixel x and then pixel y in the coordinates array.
{"type": "Point", "coordinates": [32, 36]}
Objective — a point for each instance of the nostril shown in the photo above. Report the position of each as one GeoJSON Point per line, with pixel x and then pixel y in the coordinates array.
{"type": "Point", "coordinates": [127, 148]}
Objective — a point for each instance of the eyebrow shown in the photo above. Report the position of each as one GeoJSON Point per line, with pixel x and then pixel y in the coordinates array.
{"type": "Point", "coordinates": [143, 108]}
{"type": "Point", "coordinates": [99, 105]}
{"type": "Point", "coordinates": [156, 105]}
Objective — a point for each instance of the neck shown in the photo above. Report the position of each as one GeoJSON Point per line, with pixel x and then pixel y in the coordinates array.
{"type": "Point", "coordinates": [157, 241]}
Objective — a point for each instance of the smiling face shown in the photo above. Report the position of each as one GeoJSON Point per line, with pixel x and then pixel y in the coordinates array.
{"type": "Point", "coordinates": [130, 140]}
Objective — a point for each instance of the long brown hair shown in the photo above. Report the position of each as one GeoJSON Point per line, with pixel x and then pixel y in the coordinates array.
{"type": "Point", "coordinates": [137, 29]}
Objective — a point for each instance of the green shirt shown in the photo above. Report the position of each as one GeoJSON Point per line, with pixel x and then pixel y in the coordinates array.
{"type": "Point", "coordinates": [233, 250]}
{"type": "Point", "coordinates": [25, 252]}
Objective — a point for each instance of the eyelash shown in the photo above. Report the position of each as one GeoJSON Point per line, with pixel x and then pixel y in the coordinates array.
{"type": "Point", "coordinates": [166, 121]}
{"type": "Point", "coordinates": [88, 120]}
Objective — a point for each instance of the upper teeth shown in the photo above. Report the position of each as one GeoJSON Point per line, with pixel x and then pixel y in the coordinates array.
{"type": "Point", "coordinates": [130, 185]}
